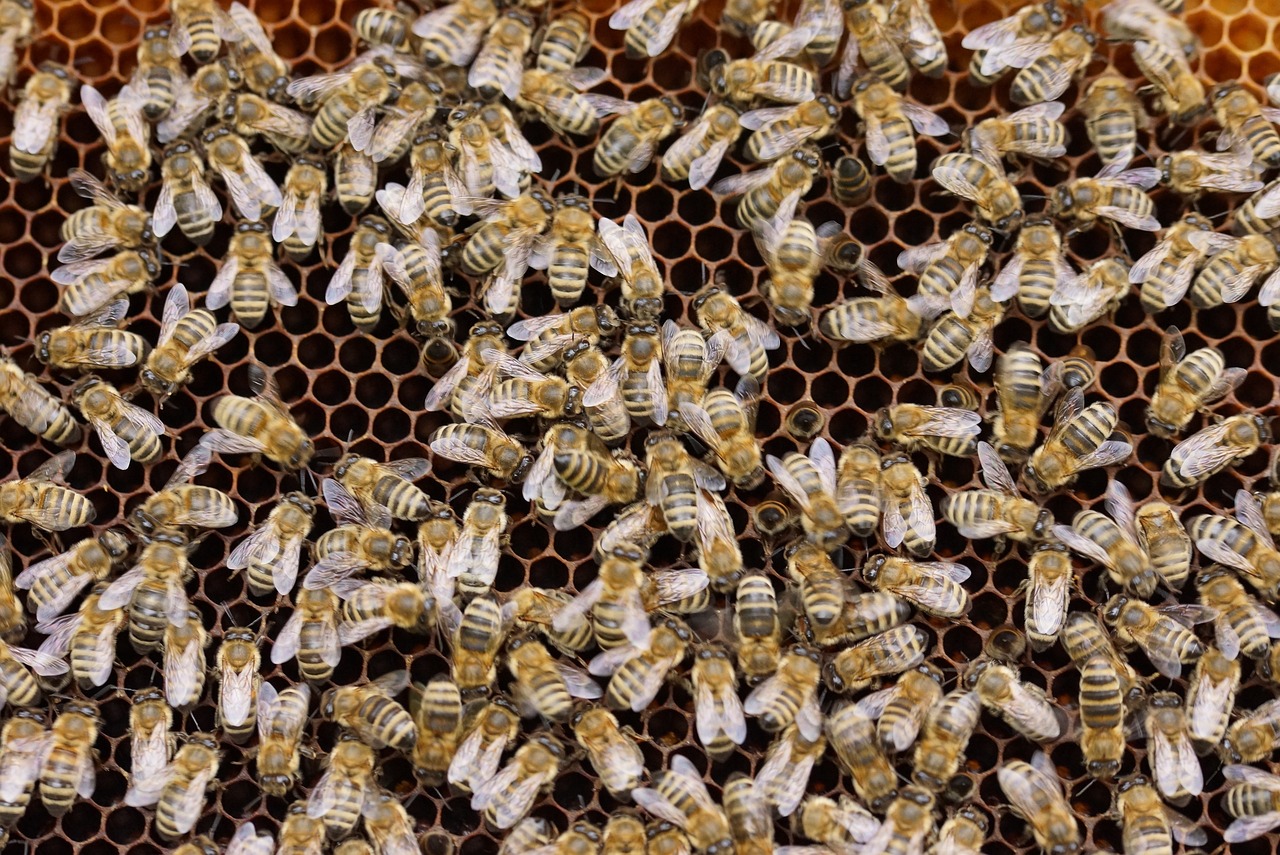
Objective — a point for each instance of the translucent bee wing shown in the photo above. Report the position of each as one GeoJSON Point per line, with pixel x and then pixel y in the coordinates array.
{"type": "Point", "coordinates": [995, 474]}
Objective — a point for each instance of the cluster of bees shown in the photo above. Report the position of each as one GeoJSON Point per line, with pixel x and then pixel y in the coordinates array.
{"type": "Point", "coordinates": [447, 94]}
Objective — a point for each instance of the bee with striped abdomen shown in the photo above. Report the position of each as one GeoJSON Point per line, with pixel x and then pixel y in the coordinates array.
{"type": "Point", "coordinates": [45, 97]}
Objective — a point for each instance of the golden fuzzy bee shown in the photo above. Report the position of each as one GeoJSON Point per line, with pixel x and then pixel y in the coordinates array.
{"type": "Point", "coordinates": [280, 717]}
{"type": "Point", "coordinates": [933, 587]}
{"type": "Point", "coordinates": [1113, 114]}
{"type": "Point", "coordinates": [889, 121]}
{"type": "Point", "coordinates": [1077, 441]}
{"type": "Point", "coordinates": [1117, 197]}
{"type": "Point", "coordinates": [1174, 765]}
{"type": "Point", "coordinates": [93, 341]}
{"type": "Point", "coordinates": [68, 764]}
{"type": "Point", "coordinates": [45, 98]}
{"type": "Point", "coordinates": [502, 245]}
{"type": "Point", "coordinates": [453, 33]}
{"type": "Point", "coordinates": [1035, 792]}
{"type": "Point", "coordinates": [488, 733]}
{"type": "Point", "coordinates": [1033, 132]}
{"type": "Point", "coordinates": [1050, 577]}
{"type": "Point", "coordinates": [1231, 272]}
{"type": "Point", "coordinates": [888, 317]}
{"type": "Point", "coordinates": [1167, 270]}
{"type": "Point", "coordinates": [836, 824]}
{"type": "Point", "coordinates": [1188, 383]}
{"type": "Point", "coordinates": [1023, 705]}
{"type": "Point", "coordinates": [239, 661]}
{"type": "Point", "coordinates": [271, 553]}
{"type": "Point", "coordinates": [964, 833]}
{"type": "Point", "coordinates": [480, 631]}
{"type": "Point", "coordinates": [370, 606]}
{"type": "Point", "coordinates": [906, 512]}
{"type": "Point", "coordinates": [613, 753]}
{"type": "Point", "coordinates": [631, 141]}
{"type": "Point", "coordinates": [358, 281]}
{"type": "Point", "coordinates": [651, 24]}
{"type": "Point", "coordinates": [571, 249]}
{"type": "Point", "coordinates": [943, 737]}
{"type": "Point", "coordinates": [1253, 801]}
{"type": "Point", "coordinates": [387, 823]}
{"type": "Point", "coordinates": [498, 65]}
{"type": "Point", "coordinates": [249, 280]}
{"type": "Point", "coordinates": [371, 712]}
{"type": "Point", "coordinates": [1162, 536]}
{"type": "Point", "coordinates": [1211, 695]}
{"type": "Point", "coordinates": [784, 776]}
{"type": "Point", "coordinates": [361, 541]}
{"type": "Point", "coordinates": [87, 637]}
{"type": "Point", "coordinates": [348, 99]}
{"type": "Point", "coordinates": [1047, 70]}
{"type": "Point", "coordinates": [901, 709]}
{"type": "Point", "coordinates": [794, 257]}
{"type": "Point", "coordinates": [186, 337]}
{"type": "Point", "coordinates": [642, 283]}
{"type": "Point", "coordinates": [506, 798]}
{"type": "Point", "coordinates": [197, 98]}
{"type": "Point", "coordinates": [1193, 173]}
{"type": "Point", "coordinates": [548, 336]}
{"type": "Point", "coordinates": [93, 283]}
{"type": "Point", "coordinates": [42, 499]}
{"type": "Point", "coordinates": [563, 42]}
{"type": "Point", "coordinates": [179, 790]}
{"type": "Point", "coordinates": [1113, 542]}
{"type": "Point", "coordinates": [1031, 25]}
{"type": "Point", "coordinates": [907, 822]}
{"type": "Point", "coordinates": [1164, 634]}
{"type": "Point", "coordinates": [388, 486]}
{"type": "Point", "coordinates": [1102, 714]}
{"type": "Point", "coordinates": [186, 199]}
{"type": "Point", "coordinates": [976, 180]}
{"type": "Point", "coordinates": [437, 713]}
{"type": "Point", "coordinates": [893, 651]}
{"type": "Point", "coordinates": [261, 425]}
{"type": "Point", "coordinates": [853, 736]}
{"type": "Point", "coordinates": [106, 224]}
{"type": "Point", "coordinates": [1081, 299]}
{"type": "Point", "coordinates": [342, 789]}
{"type": "Point", "coordinates": [690, 360]}
{"type": "Point", "coordinates": [638, 669]}
{"type": "Point", "coordinates": [757, 629]}
{"type": "Point", "coordinates": [252, 192]}
{"type": "Point", "coordinates": [311, 635]}
{"type": "Point", "coordinates": [776, 131]}
{"type": "Point", "coordinates": [556, 97]}
{"type": "Point", "coordinates": [810, 481]}
{"type": "Point", "coordinates": [151, 740]}
{"type": "Point", "coordinates": [20, 669]}
{"type": "Point", "coordinates": [725, 421]}
{"type": "Point", "coordinates": [1246, 123]}
{"type": "Point", "coordinates": [772, 193]}
{"type": "Point", "coordinates": [37, 410]}
{"type": "Point", "coordinates": [126, 133]}
{"type": "Point", "coordinates": [355, 179]}
{"type": "Point", "coordinates": [697, 154]}
{"type": "Point", "coordinates": [153, 590]}
{"type": "Point", "coordinates": [543, 684]}
{"type": "Point", "coordinates": [718, 710]}
{"type": "Point", "coordinates": [1084, 636]}
{"type": "Point", "coordinates": [913, 426]}
{"type": "Point", "coordinates": [483, 445]}
{"type": "Point", "coordinates": [998, 510]}
{"type": "Point", "coordinates": [1213, 449]}
{"type": "Point", "coordinates": [949, 269]}
{"type": "Point", "coordinates": [679, 796]}
{"type": "Point", "coordinates": [1024, 390]}
{"type": "Point", "coordinates": [1241, 623]}
{"type": "Point", "coordinates": [1148, 826]}
{"type": "Point", "coordinates": [1252, 737]}
{"type": "Point", "coordinates": [183, 647]}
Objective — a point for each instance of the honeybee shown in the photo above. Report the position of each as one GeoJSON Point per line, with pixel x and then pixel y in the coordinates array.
{"type": "Point", "coordinates": [250, 280]}
{"type": "Point", "coordinates": [183, 645]}
{"type": "Point", "coordinates": [901, 709]}
{"type": "Point", "coordinates": [485, 446]}
{"type": "Point", "coordinates": [874, 39]}
{"type": "Point", "coordinates": [1023, 705]}
{"type": "Point", "coordinates": [782, 780]}
{"type": "Point", "coordinates": [907, 822]}
{"type": "Point", "coordinates": [42, 500]}
{"type": "Point", "coordinates": [543, 684]}
{"type": "Point", "coordinates": [259, 425]}
{"type": "Point", "coordinates": [437, 712]}
{"type": "Point", "coordinates": [280, 718]}
{"type": "Point", "coordinates": [611, 749]}
{"type": "Point", "coordinates": [523, 391]}
{"type": "Point", "coordinates": [1048, 589]}
{"type": "Point", "coordinates": [535, 609]}
{"type": "Point", "coordinates": [348, 99]}
{"type": "Point", "coordinates": [964, 833]}
{"type": "Point", "coordinates": [1231, 272]}
{"type": "Point", "coordinates": [359, 279]}
{"type": "Point", "coordinates": [838, 825]}
{"type": "Point", "coordinates": [360, 541]}
{"type": "Point", "coordinates": [1084, 636]}
{"type": "Point", "coordinates": [1024, 390]}
{"type": "Point", "coordinates": [498, 65]}
{"type": "Point", "coordinates": [933, 587]}
{"type": "Point", "coordinates": [678, 796]}
{"type": "Point", "coordinates": [93, 341]}
{"type": "Point", "coordinates": [238, 663]}
{"type": "Point", "coordinates": [371, 712]}
{"type": "Point", "coordinates": [1174, 765]}
{"type": "Point", "coordinates": [1253, 736]}
{"type": "Point", "coordinates": [725, 421]}
{"type": "Point", "coordinates": [1033, 132]}
{"type": "Point", "coordinates": [1213, 449]}
{"type": "Point", "coordinates": [476, 643]}
{"type": "Point", "coordinates": [639, 668]}
{"type": "Point", "coordinates": [794, 259]}
{"type": "Point", "coordinates": [89, 637]}
{"type": "Point", "coordinates": [1029, 26]}
{"type": "Point", "coordinates": [673, 481]}
{"type": "Point", "coordinates": [453, 33]}
{"type": "Point", "coordinates": [489, 733]}
{"type": "Point", "coordinates": [93, 283]}
{"type": "Point", "coordinates": [889, 317]}
{"type": "Point", "coordinates": [186, 336]}
{"type": "Point", "coordinates": [151, 741]}
{"type": "Point", "coordinates": [1077, 441]}
{"type": "Point", "coordinates": [1179, 91]}
{"type": "Point", "coordinates": [1246, 125]}
{"type": "Point", "coordinates": [563, 42]}
{"type": "Point", "coordinates": [651, 24]}
{"type": "Point", "coordinates": [549, 335]}
{"type": "Point", "coordinates": [387, 486]}
{"type": "Point", "coordinates": [1047, 70]}
{"type": "Point", "coordinates": [947, 727]}
{"type": "Point", "coordinates": [186, 199]}
{"type": "Point", "coordinates": [1211, 696]}
{"type": "Point", "coordinates": [270, 554]}
{"type": "Point", "coordinates": [1149, 826]}
{"type": "Point", "coordinates": [1113, 543]}
{"type": "Point", "coordinates": [623, 835]}
{"type": "Point", "coordinates": [1101, 717]}
{"type": "Point", "coordinates": [1191, 173]}
{"type": "Point", "coordinates": [1188, 383]}
{"type": "Point", "coordinates": [893, 651]}
{"type": "Point", "coordinates": [1035, 792]}
{"type": "Point", "coordinates": [153, 590]}
{"type": "Point", "coordinates": [45, 97]}
{"type": "Point", "coordinates": [69, 760]}
{"type": "Point", "coordinates": [252, 192]}
{"type": "Point", "coordinates": [949, 269]}
{"type": "Point", "coordinates": [1244, 544]}
{"type": "Point", "coordinates": [690, 360]}
{"type": "Point", "coordinates": [528, 835]}
{"type": "Point", "coordinates": [1252, 801]}
{"type": "Point", "coordinates": [810, 481]}
{"type": "Point", "coordinates": [503, 244]}
{"type": "Point", "coordinates": [853, 736]}
{"type": "Point", "coordinates": [779, 130]}
{"type": "Point", "coordinates": [179, 790]}
{"type": "Point", "coordinates": [771, 194]}
{"type": "Point", "coordinates": [913, 426]}
{"type": "Point", "coordinates": [1113, 114]}
{"type": "Point", "coordinates": [697, 154]}
{"type": "Point", "coordinates": [196, 98]}
{"type": "Point", "coordinates": [1241, 623]}
{"type": "Point", "coordinates": [1167, 270]}
{"type": "Point", "coordinates": [355, 178]}
{"type": "Point", "coordinates": [1079, 300]}
{"type": "Point", "coordinates": [1164, 634]}
{"type": "Point", "coordinates": [631, 141]}
{"type": "Point", "coordinates": [556, 97]}
{"type": "Point", "coordinates": [757, 628]}
{"type": "Point", "coordinates": [997, 511]}
{"type": "Point", "coordinates": [906, 513]}
{"type": "Point", "coordinates": [13, 624]}
{"type": "Point", "coordinates": [642, 284]}
{"type": "Point", "coordinates": [106, 224]}
{"type": "Point", "coordinates": [310, 635]}
{"type": "Point", "coordinates": [506, 798]}
{"type": "Point", "coordinates": [570, 249]}
{"type": "Point", "coordinates": [888, 120]}
{"type": "Point", "coordinates": [992, 193]}
{"type": "Point", "coordinates": [126, 133]}
{"type": "Point", "coordinates": [582, 465]}
{"type": "Point", "coordinates": [341, 791]}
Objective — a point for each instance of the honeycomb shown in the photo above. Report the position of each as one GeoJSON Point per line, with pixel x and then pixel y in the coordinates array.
{"type": "Point", "coordinates": [364, 392]}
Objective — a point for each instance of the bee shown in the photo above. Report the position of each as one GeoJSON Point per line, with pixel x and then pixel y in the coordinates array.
{"type": "Point", "coordinates": [1147, 825]}
{"type": "Point", "coordinates": [124, 129]}
{"type": "Point", "coordinates": [589, 370]}
{"type": "Point", "coordinates": [725, 421]}
{"type": "Point", "coordinates": [498, 66]}
{"type": "Point", "coordinates": [888, 120]}
{"type": "Point", "coordinates": [1242, 624]}
{"type": "Point", "coordinates": [549, 335]}
{"type": "Point", "coordinates": [697, 154]}
{"type": "Point", "coordinates": [777, 131]}
{"type": "Point", "coordinates": [849, 180]}
{"type": "Point", "coordinates": [1164, 634]}
{"type": "Point", "coordinates": [68, 763]}
{"type": "Point", "coordinates": [556, 97]}
{"type": "Point", "coordinates": [719, 714]}
{"type": "Point", "coordinates": [348, 100]}
{"type": "Point", "coordinates": [488, 734]}
{"type": "Point", "coordinates": [964, 833]}
{"type": "Point", "coordinates": [45, 98]}
{"type": "Point", "coordinates": [1084, 636]}
{"type": "Point", "coordinates": [913, 426]}
{"type": "Point", "coordinates": [186, 337]}
{"type": "Point", "coordinates": [251, 116]}
{"type": "Point", "coordinates": [17, 21]}
{"type": "Point", "coordinates": [186, 199]}
{"type": "Point", "coordinates": [838, 825]}
{"type": "Point", "coordinates": [992, 193]}
{"type": "Point", "coordinates": [616, 599]}
{"type": "Point", "coordinates": [42, 500]}
{"type": "Point", "coordinates": [1035, 792]}
{"type": "Point", "coordinates": [180, 504]}
{"type": "Point", "coordinates": [483, 445]}
{"type": "Point", "coordinates": [153, 591]}
{"type": "Point", "coordinates": [674, 479]}
{"type": "Point", "coordinates": [388, 486]}
{"type": "Point", "coordinates": [888, 317]}
{"type": "Point", "coordinates": [1048, 590]}
{"type": "Point", "coordinates": [690, 360]}
{"type": "Point", "coordinates": [259, 425]}
{"type": "Point", "coordinates": [476, 643]}
{"type": "Point", "coordinates": [405, 129]}
{"type": "Point", "coordinates": [582, 466]}
{"type": "Point", "coordinates": [24, 739]}
{"type": "Point", "coordinates": [1077, 441]}
{"type": "Point", "coordinates": [528, 835]}
{"type": "Point", "coordinates": [1232, 271]}
{"type": "Point", "coordinates": [1191, 173]}
{"type": "Point", "coordinates": [1174, 765]}
{"type": "Point", "coordinates": [1252, 801]}
{"type": "Point", "coordinates": [506, 798]}
{"type": "Point", "coordinates": [92, 342]}
{"type": "Point", "coordinates": [359, 279]}
{"type": "Point", "coordinates": [93, 283]}
{"type": "Point", "coordinates": [638, 670]}
{"type": "Point", "coordinates": [1036, 269]}
{"type": "Point", "coordinates": [678, 796]}
{"type": "Point", "coordinates": [1030, 26]}
{"type": "Point", "coordinates": [1082, 299]}
{"type": "Point", "coordinates": [355, 178]}
{"type": "Point", "coordinates": [570, 249]}
{"type": "Point", "coordinates": [179, 790]}
{"type": "Point", "coordinates": [343, 788]}
{"type": "Point", "coordinates": [360, 541]}
{"type": "Point", "coordinates": [907, 822]}
{"type": "Point", "coordinates": [906, 513]}
{"type": "Point", "coordinates": [106, 224]}
{"type": "Point", "coordinates": [1113, 543]}
{"type": "Point", "coordinates": [437, 712]}
{"type": "Point", "coordinates": [199, 28]}
{"type": "Point", "coordinates": [782, 780]}
{"type": "Point", "coordinates": [642, 284]}
{"type": "Point", "coordinates": [374, 605]}
{"type": "Point", "coordinates": [1252, 737]}
{"type": "Point", "coordinates": [383, 26]}
{"type": "Point", "coordinates": [651, 24]}
{"type": "Point", "coordinates": [872, 37]}
{"type": "Point", "coordinates": [1101, 717]}
{"type": "Point", "coordinates": [945, 733]}
{"type": "Point", "coordinates": [810, 481]}
{"type": "Point", "coordinates": [893, 651]}
{"type": "Point", "coordinates": [630, 142]}
{"type": "Point", "coordinates": [453, 33]}
{"type": "Point", "coordinates": [252, 192]}
{"type": "Point", "coordinates": [757, 628]}
{"type": "Point", "coordinates": [371, 713]}
{"type": "Point", "coordinates": [1188, 383]}
{"type": "Point", "coordinates": [794, 259]}
{"type": "Point", "coordinates": [250, 280]}
{"type": "Point", "coordinates": [429, 304]}
{"type": "Point", "coordinates": [271, 553]}
{"type": "Point", "coordinates": [310, 635]}
{"type": "Point", "coordinates": [535, 609]}
{"type": "Point", "coordinates": [1024, 706]}
{"type": "Point", "coordinates": [503, 245]}
{"type": "Point", "coordinates": [1245, 123]}
{"type": "Point", "coordinates": [949, 269]}
{"type": "Point", "coordinates": [1179, 91]}
{"type": "Point", "coordinates": [1211, 696]}
{"type": "Point", "coordinates": [623, 835]}
{"type": "Point", "coordinates": [523, 391]}
{"type": "Point", "coordinates": [1213, 449]}
{"type": "Point", "coordinates": [280, 718]}
{"type": "Point", "coordinates": [933, 587]}
{"type": "Point", "coordinates": [88, 636]}
{"type": "Point", "coordinates": [563, 42]}
{"type": "Point", "coordinates": [387, 823]}
{"type": "Point", "coordinates": [238, 663]}
{"type": "Point", "coordinates": [853, 736]}
{"type": "Point", "coordinates": [1167, 270]}
{"type": "Point", "coordinates": [611, 749]}
{"type": "Point", "coordinates": [1032, 132]}
{"type": "Point", "coordinates": [1024, 390]}
{"type": "Point", "coordinates": [197, 98]}
{"type": "Point", "coordinates": [1047, 71]}
{"type": "Point", "coordinates": [300, 834]}
{"type": "Point", "coordinates": [771, 194]}
{"type": "Point", "coordinates": [901, 709]}
{"type": "Point", "coordinates": [998, 510]}
{"type": "Point", "coordinates": [1113, 114]}
{"type": "Point", "coordinates": [184, 662]}
{"type": "Point", "coordinates": [544, 684]}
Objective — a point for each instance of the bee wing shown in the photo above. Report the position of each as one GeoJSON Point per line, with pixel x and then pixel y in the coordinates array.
{"type": "Point", "coordinates": [781, 779]}
{"type": "Point", "coordinates": [578, 682]}
{"type": "Point", "coordinates": [43, 664]}
{"type": "Point", "coordinates": [236, 700]}
{"type": "Point", "coordinates": [33, 121]}
{"type": "Point", "coordinates": [96, 106]}
{"type": "Point", "coordinates": [824, 460]}
{"type": "Point", "coordinates": [183, 670]}
{"type": "Point", "coordinates": [672, 586]}
{"type": "Point", "coordinates": [144, 792]}
{"type": "Point", "coordinates": [332, 791]}
{"type": "Point", "coordinates": [1204, 452]}
{"type": "Point", "coordinates": [630, 14]}
{"type": "Point", "coordinates": [925, 121]}
{"type": "Point", "coordinates": [1176, 767]}
{"type": "Point", "coordinates": [655, 804]}
{"type": "Point", "coordinates": [949, 421]}
{"type": "Point", "coordinates": [20, 765]}
{"type": "Point", "coordinates": [507, 795]}
{"type": "Point", "coordinates": [1082, 545]}
{"type": "Point", "coordinates": [788, 482]}
{"type": "Point", "coordinates": [878, 148]}
{"type": "Point", "coordinates": [53, 570]}
{"type": "Point", "coordinates": [1129, 219]}
{"type": "Point", "coordinates": [1247, 828]}
{"type": "Point", "coordinates": [1249, 514]}
{"type": "Point", "coordinates": [995, 474]}
{"type": "Point", "coordinates": [718, 710]}
{"type": "Point", "coordinates": [60, 631]}
{"type": "Point", "coordinates": [1239, 774]}
{"type": "Point", "coordinates": [736, 185]}
{"type": "Point", "coordinates": [997, 34]}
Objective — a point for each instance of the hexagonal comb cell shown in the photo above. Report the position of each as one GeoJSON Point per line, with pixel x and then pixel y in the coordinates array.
{"type": "Point", "coordinates": [364, 391]}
